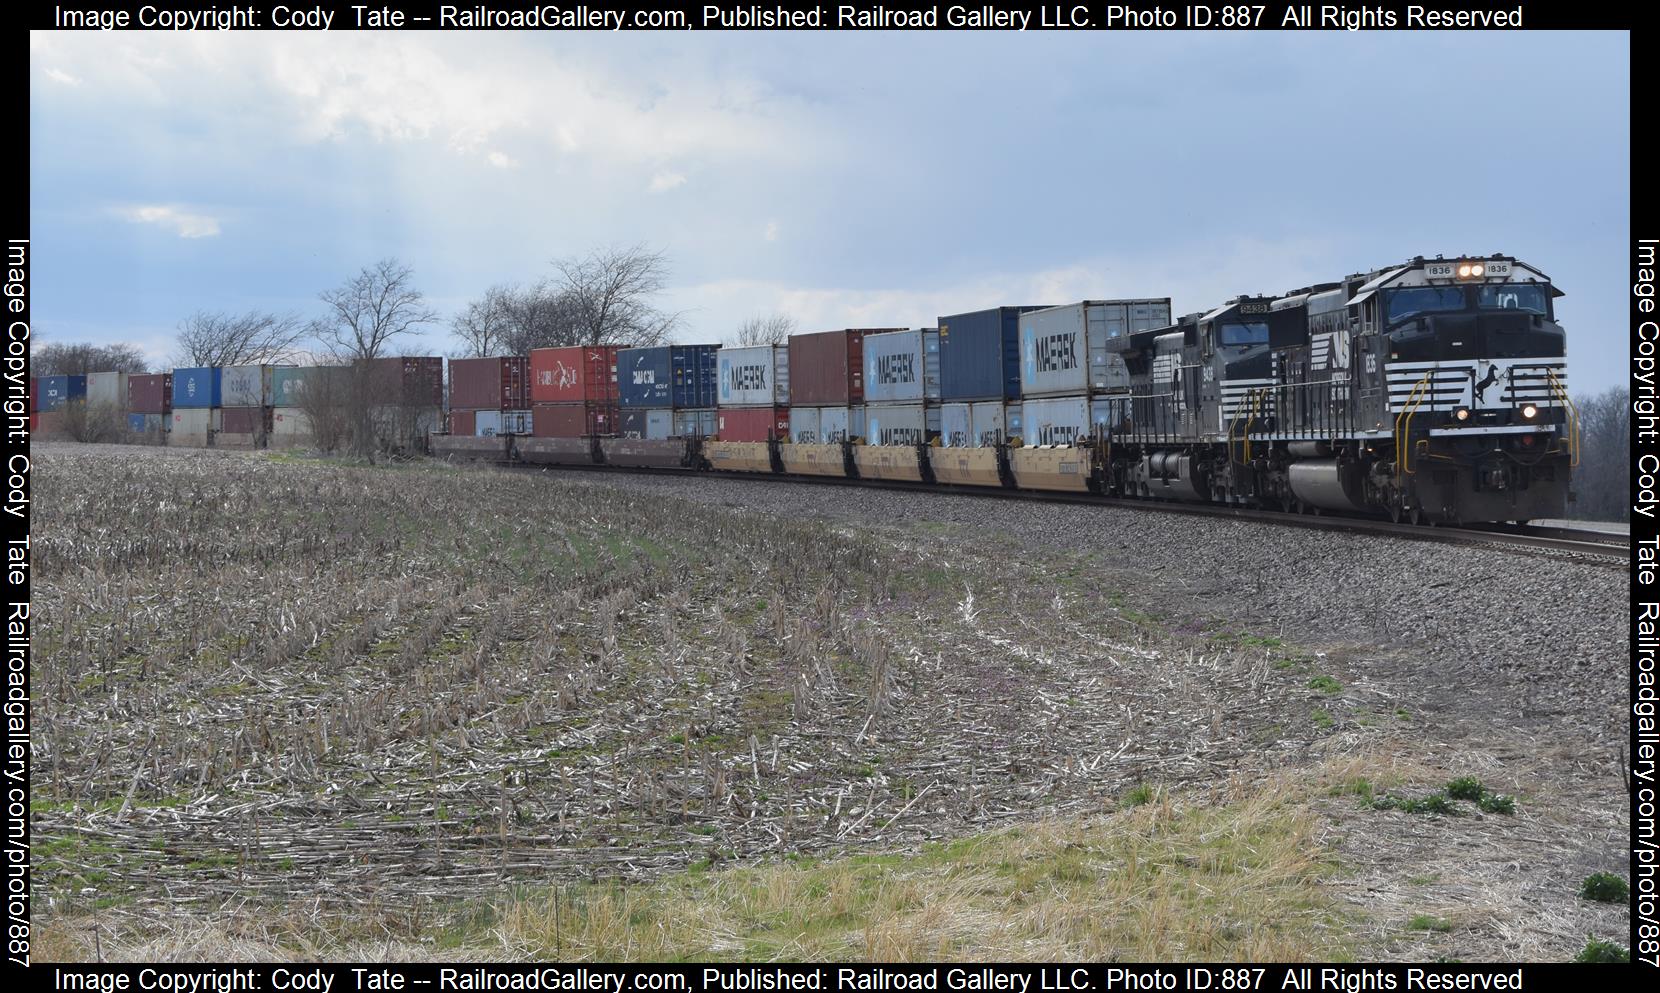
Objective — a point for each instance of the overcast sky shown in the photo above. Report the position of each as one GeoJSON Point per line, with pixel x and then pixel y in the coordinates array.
{"type": "Point", "coordinates": [846, 179]}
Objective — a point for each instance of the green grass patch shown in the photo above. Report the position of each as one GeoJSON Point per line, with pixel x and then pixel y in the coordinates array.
{"type": "Point", "coordinates": [1426, 922]}
{"type": "Point", "coordinates": [1325, 684]}
{"type": "Point", "coordinates": [1597, 950]}
{"type": "Point", "coordinates": [1604, 887]}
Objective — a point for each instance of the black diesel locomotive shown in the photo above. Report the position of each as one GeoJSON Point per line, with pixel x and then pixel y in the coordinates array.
{"type": "Point", "coordinates": [1433, 391]}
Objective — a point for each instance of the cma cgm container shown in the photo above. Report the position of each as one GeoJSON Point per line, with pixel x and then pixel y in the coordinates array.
{"type": "Point", "coordinates": [150, 393]}
{"type": "Point", "coordinates": [902, 366]}
{"type": "Point", "coordinates": [758, 376]}
{"type": "Point", "coordinates": [829, 367]}
{"type": "Point", "coordinates": [406, 381]}
{"type": "Point", "coordinates": [245, 386]}
{"type": "Point", "coordinates": [651, 424]}
{"type": "Point", "coordinates": [703, 423]}
{"type": "Point", "coordinates": [574, 375]}
{"type": "Point", "coordinates": [900, 423]}
{"type": "Point", "coordinates": [573, 420]}
{"type": "Point", "coordinates": [974, 425]}
{"type": "Point", "coordinates": [107, 388]}
{"type": "Point", "coordinates": [1063, 350]}
{"type": "Point", "coordinates": [490, 423]}
{"type": "Point", "coordinates": [501, 383]}
{"type": "Point", "coordinates": [668, 376]}
{"type": "Point", "coordinates": [55, 391]}
{"type": "Point", "coordinates": [980, 354]}
{"type": "Point", "coordinates": [195, 388]}
{"type": "Point", "coordinates": [753, 423]}
{"type": "Point", "coordinates": [1056, 421]}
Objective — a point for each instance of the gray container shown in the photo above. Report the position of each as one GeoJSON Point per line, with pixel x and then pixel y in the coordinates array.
{"type": "Point", "coordinates": [900, 423]}
{"type": "Point", "coordinates": [193, 426]}
{"type": "Point", "coordinates": [956, 426]}
{"type": "Point", "coordinates": [758, 376]}
{"type": "Point", "coordinates": [107, 389]}
{"type": "Point", "coordinates": [902, 366]}
{"type": "Point", "coordinates": [1056, 421]}
{"type": "Point", "coordinates": [490, 423]}
{"type": "Point", "coordinates": [696, 423]}
{"type": "Point", "coordinates": [841, 423]}
{"type": "Point", "coordinates": [973, 425]}
{"type": "Point", "coordinates": [648, 424]}
{"type": "Point", "coordinates": [245, 386]}
{"type": "Point", "coordinates": [804, 426]}
{"type": "Point", "coordinates": [1063, 350]}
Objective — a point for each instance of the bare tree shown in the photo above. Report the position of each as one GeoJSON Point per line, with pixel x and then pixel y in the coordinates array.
{"type": "Point", "coordinates": [364, 316]}
{"type": "Point", "coordinates": [325, 400]}
{"type": "Point", "coordinates": [81, 358]}
{"type": "Point", "coordinates": [484, 326]}
{"type": "Point", "coordinates": [772, 330]}
{"type": "Point", "coordinates": [608, 295]}
{"type": "Point", "coordinates": [1602, 483]}
{"type": "Point", "coordinates": [216, 338]}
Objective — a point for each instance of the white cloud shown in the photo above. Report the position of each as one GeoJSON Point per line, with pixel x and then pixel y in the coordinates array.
{"type": "Point", "coordinates": [666, 181]}
{"type": "Point", "coordinates": [187, 224]}
{"type": "Point", "coordinates": [771, 232]}
{"type": "Point", "coordinates": [59, 76]}
{"type": "Point", "coordinates": [501, 160]}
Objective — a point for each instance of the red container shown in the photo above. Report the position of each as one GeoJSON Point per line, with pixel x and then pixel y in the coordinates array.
{"type": "Point", "coordinates": [573, 420]}
{"type": "Point", "coordinates": [245, 420]}
{"type": "Point", "coordinates": [828, 368]}
{"type": "Point", "coordinates": [574, 375]}
{"type": "Point", "coordinates": [34, 423]}
{"type": "Point", "coordinates": [463, 422]}
{"type": "Point", "coordinates": [151, 393]}
{"type": "Point", "coordinates": [407, 381]}
{"type": "Point", "coordinates": [753, 423]}
{"type": "Point", "coordinates": [49, 423]}
{"type": "Point", "coordinates": [490, 384]}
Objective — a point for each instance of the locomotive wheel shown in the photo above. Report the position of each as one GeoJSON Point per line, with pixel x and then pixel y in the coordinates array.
{"type": "Point", "coordinates": [1395, 513]}
{"type": "Point", "coordinates": [1416, 516]}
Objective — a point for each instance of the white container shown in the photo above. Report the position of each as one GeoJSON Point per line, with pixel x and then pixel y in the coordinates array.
{"type": "Point", "coordinates": [107, 389]}
{"type": "Point", "coordinates": [1063, 350]}
{"type": "Point", "coordinates": [245, 386]}
{"type": "Point", "coordinates": [1056, 421]}
{"type": "Point", "coordinates": [193, 426]}
{"type": "Point", "coordinates": [758, 376]}
{"type": "Point", "coordinates": [804, 426]}
{"type": "Point", "coordinates": [898, 424]}
{"type": "Point", "coordinates": [902, 366]}
{"type": "Point", "coordinates": [841, 423]}
{"type": "Point", "coordinates": [973, 425]}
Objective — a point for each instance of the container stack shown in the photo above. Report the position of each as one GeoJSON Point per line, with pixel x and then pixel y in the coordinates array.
{"type": "Point", "coordinates": [1067, 362]}
{"type": "Point", "coordinates": [667, 391]}
{"type": "Point", "coordinates": [107, 393]}
{"type": "Point", "coordinates": [406, 400]}
{"type": "Point", "coordinates": [573, 391]}
{"type": "Point", "coordinates": [827, 392]}
{"type": "Point", "coordinates": [149, 402]}
{"type": "Point", "coordinates": [902, 387]}
{"type": "Point", "coordinates": [245, 417]}
{"type": "Point", "coordinates": [753, 393]}
{"type": "Point", "coordinates": [56, 393]}
{"type": "Point", "coordinates": [196, 407]}
{"type": "Point", "coordinates": [980, 377]}
{"type": "Point", "coordinates": [490, 396]}
{"type": "Point", "coordinates": [296, 393]}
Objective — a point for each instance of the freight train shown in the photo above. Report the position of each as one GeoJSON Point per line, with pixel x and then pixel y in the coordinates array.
{"type": "Point", "coordinates": [1433, 391]}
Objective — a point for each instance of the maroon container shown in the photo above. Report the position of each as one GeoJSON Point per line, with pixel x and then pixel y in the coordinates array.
{"type": "Point", "coordinates": [245, 420]}
{"type": "Point", "coordinates": [828, 368]}
{"type": "Point", "coordinates": [463, 422]}
{"type": "Point", "coordinates": [754, 423]}
{"type": "Point", "coordinates": [501, 383]}
{"type": "Point", "coordinates": [573, 420]}
{"type": "Point", "coordinates": [151, 393]}
{"type": "Point", "coordinates": [408, 381]}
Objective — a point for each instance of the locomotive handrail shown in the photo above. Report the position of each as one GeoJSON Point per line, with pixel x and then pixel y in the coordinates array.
{"type": "Point", "coordinates": [1403, 425]}
{"type": "Point", "coordinates": [1561, 394]}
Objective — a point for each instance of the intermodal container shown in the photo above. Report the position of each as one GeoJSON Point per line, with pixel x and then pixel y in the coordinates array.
{"type": "Point", "coordinates": [573, 420]}
{"type": "Point", "coordinates": [150, 393]}
{"type": "Point", "coordinates": [668, 376]}
{"type": "Point", "coordinates": [47, 424]}
{"type": "Point", "coordinates": [288, 384]}
{"type": "Point", "coordinates": [704, 423]}
{"type": "Point", "coordinates": [501, 383]}
{"type": "Point", "coordinates": [586, 374]}
{"type": "Point", "coordinates": [902, 366]}
{"type": "Point", "coordinates": [407, 381]}
{"type": "Point", "coordinates": [196, 388]}
{"type": "Point", "coordinates": [245, 386]}
{"type": "Point", "coordinates": [900, 423]}
{"type": "Point", "coordinates": [464, 422]}
{"type": "Point", "coordinates": [973, 425]}
{"type": "Point", "coordinates": [753, 423]}
{"type": "Point", "coordinates": [1056, 421]}
{"type": "Point", "coordinates": [841, 423]}
{"type": "Point", "coordinates": [290, 427]}
{"type": "Point", "coordinates": [758, 376]}
{"type": "Point", "coordinates": [245, 420]}
{"type": "Point", "coordinates": [55, 391]}
{"type": "Point", "coordinates": [829, 366]}
{"type": "Point", "coordinates": [1063, 350]}
{"type": "Point", "coordinates": [490, 423]}
{"type": "Point", "coordinates": [804, 425]}
{"type": "Point", "coordinates": [980, 354]}
{"type": "Point", "coordinates": [192, 426]}
{"type": "Point", "coordinates": [649, 424]}
{"type": "Point", "coordinates": [107, 388]}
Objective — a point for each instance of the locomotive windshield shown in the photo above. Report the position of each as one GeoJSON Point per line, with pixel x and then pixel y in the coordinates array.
{"type": "Point", "coordinates": [1253, 333]}
{"type": "Point", "coordinates": [1412, 300]}
{"type": "Point", "coordinates": [1530, 297]}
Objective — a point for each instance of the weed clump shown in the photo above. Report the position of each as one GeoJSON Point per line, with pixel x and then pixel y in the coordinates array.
{"type": "Point", "coordinates": [1596, 950]}
{"type": "Point", "coordinates": [1604, 887]}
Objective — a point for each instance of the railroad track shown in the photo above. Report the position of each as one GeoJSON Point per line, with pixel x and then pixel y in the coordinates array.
{"type": "Point", "coordinates": [1602, 544]}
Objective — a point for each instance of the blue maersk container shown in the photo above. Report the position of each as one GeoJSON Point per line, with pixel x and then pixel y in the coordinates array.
{"type": "Point", "coordinates": [196, 387]}
{"type": "Point", "coordinates": [980, 355]}
{"type": "Point", "coordinates": [676, 376]}
{"type": "Point", "coordinates": [55, 391]}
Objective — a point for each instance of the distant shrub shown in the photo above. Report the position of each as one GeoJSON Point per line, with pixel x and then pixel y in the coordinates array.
{"type": "Point", "coordinates": [1604, 887]}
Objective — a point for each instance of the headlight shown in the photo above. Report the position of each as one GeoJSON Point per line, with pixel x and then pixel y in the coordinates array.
{"type": "Point", "coordinates": [1478, 269]}
{"type": "Point", "coordinates": [1463, 272]}
{"type": "Point", "coordinates": [1461, 414]}
{"type": "Point", "coordinates": [1529, 411]}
